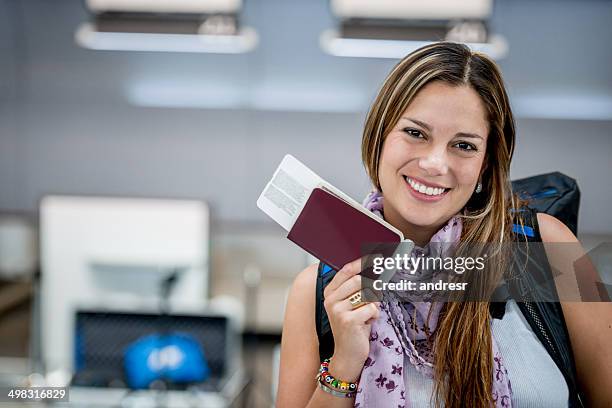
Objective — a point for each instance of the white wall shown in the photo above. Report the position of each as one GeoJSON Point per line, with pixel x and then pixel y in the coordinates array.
{"type": "Point", "coordinates": [225, 157]}
{"type": "Point", "coordinates": [66, 124]}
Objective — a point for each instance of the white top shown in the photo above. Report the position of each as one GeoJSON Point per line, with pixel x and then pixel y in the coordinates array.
{"type": "Point", "coordinates": [536, 381]}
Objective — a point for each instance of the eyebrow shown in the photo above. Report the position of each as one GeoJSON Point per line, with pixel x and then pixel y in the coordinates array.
{"type": "Point", "coordinates": [426, 126]}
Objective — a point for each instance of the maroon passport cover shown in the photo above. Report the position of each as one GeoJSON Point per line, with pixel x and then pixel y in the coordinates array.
{"type": "Point", "coordinates": [334, 231]}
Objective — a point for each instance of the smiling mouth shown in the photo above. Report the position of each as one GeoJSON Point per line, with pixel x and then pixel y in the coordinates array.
{"type": "Point", "coordinates": [425, 189]}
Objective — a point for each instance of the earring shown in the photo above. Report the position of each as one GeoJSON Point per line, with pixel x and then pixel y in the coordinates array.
{"type": "Point", "coordinates": [478, 188]}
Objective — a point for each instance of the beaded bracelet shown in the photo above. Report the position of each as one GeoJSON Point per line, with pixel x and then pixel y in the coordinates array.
{"type": "Point", "coordinates": [328, 380]}
{"type": "Point", "coordinates": [335, 393]}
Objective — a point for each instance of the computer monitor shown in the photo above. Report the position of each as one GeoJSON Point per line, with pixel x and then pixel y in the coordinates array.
{"type": "Point", "coordinates": [102, 337]}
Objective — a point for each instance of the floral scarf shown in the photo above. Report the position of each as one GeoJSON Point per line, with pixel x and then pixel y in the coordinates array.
{"type": "Point", "coordinates": [406, 329]}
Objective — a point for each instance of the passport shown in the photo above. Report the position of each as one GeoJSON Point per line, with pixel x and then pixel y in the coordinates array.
{"type": "Point", "coordinates": [321, 219]}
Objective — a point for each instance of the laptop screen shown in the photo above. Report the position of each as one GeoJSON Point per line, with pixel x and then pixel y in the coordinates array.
{"type": "Point", "coordinates": [102, 338]}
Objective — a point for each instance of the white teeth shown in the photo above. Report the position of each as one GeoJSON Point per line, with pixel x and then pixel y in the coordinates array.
{"type": "Point", "coordinates": [424, 189]}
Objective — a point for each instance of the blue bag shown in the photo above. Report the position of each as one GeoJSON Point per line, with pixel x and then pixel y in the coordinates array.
{"type": "Point", "coordinates": [176, 358]}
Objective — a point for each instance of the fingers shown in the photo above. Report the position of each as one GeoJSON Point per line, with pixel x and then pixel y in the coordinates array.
{"type": "Point", "coordinates": [364, 314]}
{"type": "Point", "coordinates": [348, 271]}
{"type": "Point", "coordinates": [345, 290]}
{"type": "Point", "coordinates": [346, 316]}
{"type": "Point", "coordinates": [344, 310]}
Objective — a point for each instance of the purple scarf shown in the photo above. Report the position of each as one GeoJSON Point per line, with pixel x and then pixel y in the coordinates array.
{"type": "Point", "coordinates": [406, 328]}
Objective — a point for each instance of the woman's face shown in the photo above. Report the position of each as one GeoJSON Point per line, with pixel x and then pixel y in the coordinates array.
{"type": "Point", "coordinates": [433, 157]}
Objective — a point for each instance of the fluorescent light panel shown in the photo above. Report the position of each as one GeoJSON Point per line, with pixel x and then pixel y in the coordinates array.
{"type": "Point", "coordinates": [165, 6]}
{"type": "Point", "coordinates": [563, 106]}
{"type": "Point", "coordinates": [333, 44]}
{"type": "Point", "coordinates": [244, 41]}
{"type": "Point", "coordinates": [412, 9]}
{"type": "Point", "coordinates": [325, 97]}
{"type": "Point", "coordinates": [283, 97]}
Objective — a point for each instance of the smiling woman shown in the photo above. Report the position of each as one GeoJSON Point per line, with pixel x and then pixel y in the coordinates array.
{"type": "Point", "coordinates": [442, 152]}
{"type": "Point", "coordinates": [437, 145]}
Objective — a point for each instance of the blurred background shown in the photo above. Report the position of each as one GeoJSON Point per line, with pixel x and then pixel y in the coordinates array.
{"type": "Point", "coordinates": [136, 136]}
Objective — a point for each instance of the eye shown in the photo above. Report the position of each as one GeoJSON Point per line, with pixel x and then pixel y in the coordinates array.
{"type": "Point", "coordinates": [414, 133]}
{"type": "Point", "coordinates": [466, 146]}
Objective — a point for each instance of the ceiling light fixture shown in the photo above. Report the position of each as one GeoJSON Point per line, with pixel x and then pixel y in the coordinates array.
{"type": "Point", "coordinates": [244, 40]}
{"type": "Point", "coordinates": [334, 44]}
{"type": "Point", "coordinates": [209, 26]}
{"type": "Point", "coordinates": [391, 29]}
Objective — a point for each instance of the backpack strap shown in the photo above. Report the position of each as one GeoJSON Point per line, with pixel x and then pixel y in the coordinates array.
{"type": "Point", "coordinates": [525, 225]}
{"type": "Point", "coordinates": [325, 274]}
{"type": "Point", "coordinates": [546, 317]}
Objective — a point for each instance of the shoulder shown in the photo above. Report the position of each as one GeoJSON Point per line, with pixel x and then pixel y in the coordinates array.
{"type": "Point", "coordinates": [305, 282]}
{"type": "Point", "coordinates": [299, 357]}
{"type": "Point", "coordinates": [301, 300]}
{"type": "Point", "coordinates": [589, 323]}
{"type": "Point", "coordinates": [553, 230]}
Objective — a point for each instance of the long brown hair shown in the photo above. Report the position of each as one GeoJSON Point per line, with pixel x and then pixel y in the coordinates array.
{"type": "Point", "coordinates": [463, 349]}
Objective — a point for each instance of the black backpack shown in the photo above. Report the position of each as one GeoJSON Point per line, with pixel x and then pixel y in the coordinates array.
{"type": "Point", "coordinates": [553, 193]}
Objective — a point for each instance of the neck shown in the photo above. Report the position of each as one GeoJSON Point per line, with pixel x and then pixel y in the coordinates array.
{"type": "Point", "coordinates": [419, 234]}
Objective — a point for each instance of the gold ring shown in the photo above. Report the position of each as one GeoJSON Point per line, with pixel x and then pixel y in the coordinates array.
{"type": "Point", "coordinates": [356, 300]}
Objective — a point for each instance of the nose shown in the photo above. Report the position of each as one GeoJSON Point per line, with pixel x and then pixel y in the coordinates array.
{"type": "Point", "coordinates": [434, 161]}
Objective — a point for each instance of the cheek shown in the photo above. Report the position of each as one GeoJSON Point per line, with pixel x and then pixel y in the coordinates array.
{"type": "Point", "coordinates": [395, 153]}
{"type": "Point", "coordinates": [389, 159]}
{"type": "Point", "coordinates": [467, 175]}
{"type": "Point", "coordinates": [385, 174]}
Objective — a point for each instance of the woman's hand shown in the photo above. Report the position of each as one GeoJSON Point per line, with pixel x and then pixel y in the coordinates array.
{"type": "Point", "coordinates": [351, 327]}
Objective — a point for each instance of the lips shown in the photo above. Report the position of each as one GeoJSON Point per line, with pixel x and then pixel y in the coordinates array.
{"type": "Point", "coordinates": [420, 187]}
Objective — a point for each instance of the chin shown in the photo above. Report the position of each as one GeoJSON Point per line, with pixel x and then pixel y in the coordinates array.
{"type": "Point", "coordinates": [424, 220]}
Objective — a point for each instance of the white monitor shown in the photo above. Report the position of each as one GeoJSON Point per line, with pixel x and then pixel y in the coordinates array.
{"type": "Point", "coordinates": [99, 252]}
